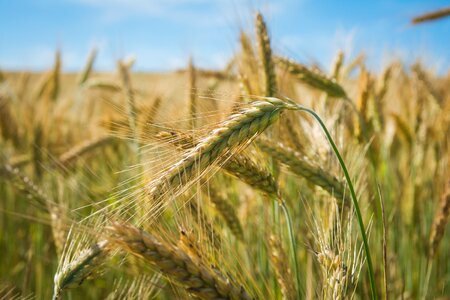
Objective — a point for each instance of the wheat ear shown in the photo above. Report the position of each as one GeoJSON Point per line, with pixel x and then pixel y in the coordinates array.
{"type": "Point", "coordinates": [303, 167]}
{"type": "Point", "coordinates": [280, 263]}
{"type": "Point", "coordinates": [78, 150]}
{"type": "Point", "coordinates": [236, 131]}
{"type": "Point", "coordinates": [87, 70]}
{"type": "Point", "coordinates": [265, 56]}
{"type": "Point", "coordinates": [226, 210]}
{"type": "Point", "coordinates": [314, 79]}
{"type": "Point", "coordinates": [195, 276]}
{"type": "Point", "coordinates": [239, 165]}
{"type": "Point", "coordinates": [74, 273]}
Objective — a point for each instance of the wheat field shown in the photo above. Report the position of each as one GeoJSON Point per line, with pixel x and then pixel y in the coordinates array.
{"type": "Point", "coordinates": [269, 179]}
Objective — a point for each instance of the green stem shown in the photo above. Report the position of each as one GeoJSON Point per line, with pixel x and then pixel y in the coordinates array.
{"type": "Point", "coordinates": [354, 200]}
{"type": "Point", "coordinates": [292, 243]}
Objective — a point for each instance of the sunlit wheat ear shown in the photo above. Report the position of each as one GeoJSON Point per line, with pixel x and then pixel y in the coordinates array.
{"type": "Point", "coordinates": [195, 276]}
{"type": "Point", "coordinates": [381, 93]}
{"type": "Point", "coordinates": [192, 92]}
{"type": "Point", "coordinates": [439, 222]}
{"type": "Point", "coordinates": [312, 78]}
{"type": "Point", "coordinates": [34, 193]}
{"type": "Point", "coordinates": [236, 131]}
{"type": "Point", "coordinates": [337, 66]}
{"type": "Point", "coordinates": [87, 70]}
{"type": "Point", "coordinates": [240, 165]}
{"type": "Point", "coordinates": [83, 148]}
{"type": "Point", "coordinates": [265, 57]}
{"type": "Point", "coordinates": [101, 84]}
{"type": "Point", "coordinates": [78, 265]}
{"type": "Point", "coordinates": [280, 262]}
{"type": "Point", "coordinates": [303, 167]}
{"type": "Point", "coordinates": [339, 256]}
{"type": "Point", "coordinates": [150, 116]}
{"type": "Point", "coordinates": [248, 67]}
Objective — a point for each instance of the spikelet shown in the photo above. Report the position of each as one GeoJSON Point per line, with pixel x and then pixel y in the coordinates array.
{"type": "Point", "coordinates": [195, 276]}
{"type": "Point", "coordinates": [439, 222]}
{"type": "Point", "coordinates": [312, 78]}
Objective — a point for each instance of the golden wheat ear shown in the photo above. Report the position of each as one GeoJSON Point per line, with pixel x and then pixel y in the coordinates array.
{"type": "Point", "coordinates": [178, 266]}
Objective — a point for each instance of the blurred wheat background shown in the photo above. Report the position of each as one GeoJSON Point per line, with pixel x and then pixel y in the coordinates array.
{"type": "Point", "coordinates": [270, 178]}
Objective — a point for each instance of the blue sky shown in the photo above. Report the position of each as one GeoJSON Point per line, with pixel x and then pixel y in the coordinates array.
{"type": "Point", "coordinates": [162, 34]}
